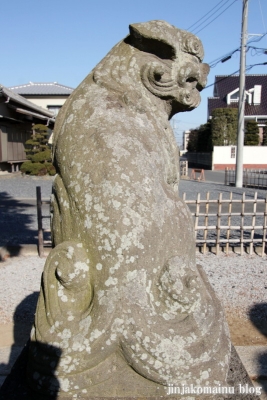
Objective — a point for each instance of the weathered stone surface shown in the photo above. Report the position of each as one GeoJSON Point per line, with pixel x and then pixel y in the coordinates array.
{"type": "Point", "coordinates": [124, 310]}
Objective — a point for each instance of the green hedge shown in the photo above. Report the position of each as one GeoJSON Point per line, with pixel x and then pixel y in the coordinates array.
{"type": "Point", "coordinates": [36, 168]}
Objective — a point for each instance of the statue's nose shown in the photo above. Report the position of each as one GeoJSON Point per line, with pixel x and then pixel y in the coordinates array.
{"type": "Point", "coordinates": [204, 70]}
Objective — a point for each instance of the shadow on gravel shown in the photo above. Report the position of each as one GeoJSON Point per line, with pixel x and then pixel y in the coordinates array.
{"type": "Point", "coordinates": [23, 319]}
{"type": "Point", "coordinates": [24, 314]}
{"type": "Point", "coordinates": [20, 367]}
{"type": "Point", "coordinates": [258, 316]}
{"type": "Point", "coordinates": [16, 218]}
{"type": "Point", "coordinates": [17, 387]}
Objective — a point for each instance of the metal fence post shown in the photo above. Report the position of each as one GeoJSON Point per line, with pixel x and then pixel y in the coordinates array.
{"type": "Point", "coordinates": [39, 222]}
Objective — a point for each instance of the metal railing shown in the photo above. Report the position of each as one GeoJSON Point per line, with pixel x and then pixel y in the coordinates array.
{"type": "Point", "coordinates": [183, 168]}
{"type": "Point", "coordinates": [256, 178]}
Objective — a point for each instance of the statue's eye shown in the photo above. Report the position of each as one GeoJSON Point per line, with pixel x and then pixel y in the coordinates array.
{"type": "Point", "coordinates": [158, 73]}
{"type": "Point", "coordinates": [195, 59]}
{"type": "Point", "coordinates": [191, 79]}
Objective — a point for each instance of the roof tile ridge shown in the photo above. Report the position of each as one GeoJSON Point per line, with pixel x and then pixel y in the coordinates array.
{"type": "Point", "coordinates": [237, 75]}
{"type": "Point", "coordinates": [227, 76]}
{"type": "Point", "coordinates": [42, 83]}
{"type": "Point", "coordinates": [62, 86]}
{"type": "Point", "coordinates": [19, 86]}
{"type": "Point", "coordinates": [256, 74]}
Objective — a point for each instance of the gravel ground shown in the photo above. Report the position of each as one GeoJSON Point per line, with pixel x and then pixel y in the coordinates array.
{"type": "Point", "coordinates": [239, 281]}
{"type": "Point", "coordinates": [19, 288]}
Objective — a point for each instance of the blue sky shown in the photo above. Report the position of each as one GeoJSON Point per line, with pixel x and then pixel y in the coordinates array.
{"type": "Point", "coordinates": [62, 40]}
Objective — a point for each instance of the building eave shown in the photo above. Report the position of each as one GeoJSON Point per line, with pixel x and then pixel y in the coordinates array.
{"type": "Point", "coordinates": [33, 109]}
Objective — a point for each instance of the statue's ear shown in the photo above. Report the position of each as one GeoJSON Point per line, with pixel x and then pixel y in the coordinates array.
{"type": "Point", "coordinates": [152, 37]}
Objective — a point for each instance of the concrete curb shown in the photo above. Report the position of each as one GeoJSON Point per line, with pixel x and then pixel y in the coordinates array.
{"type": "Point", "coordinates": [21, 250]}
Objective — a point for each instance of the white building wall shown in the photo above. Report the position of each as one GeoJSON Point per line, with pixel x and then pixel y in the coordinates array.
{"type": "Point", "coordinates": [45, 102]}
{"type": "Point", "coordinates": [253, 157]}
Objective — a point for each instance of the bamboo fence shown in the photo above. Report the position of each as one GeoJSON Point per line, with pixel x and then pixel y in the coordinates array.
{"type": "Point", "coordinates": [230, 222]}
{"type": "Point", "coordinates": [218, 222]}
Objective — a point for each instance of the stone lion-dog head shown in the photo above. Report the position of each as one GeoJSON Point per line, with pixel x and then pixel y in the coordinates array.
{"type": "Point", "coordinates": [168, 62]}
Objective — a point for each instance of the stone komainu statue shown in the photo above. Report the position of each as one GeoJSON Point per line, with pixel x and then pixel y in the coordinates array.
{"type": "Point", "coordinates": [123, 309]}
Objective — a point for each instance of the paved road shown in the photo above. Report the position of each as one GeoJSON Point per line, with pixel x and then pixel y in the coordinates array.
{"type": "Point", "coordinates": [210, 176]}
{"type": "Point", "coordinates": [18, 222]}
{"type": "Point", "coordinates": [15, 186]}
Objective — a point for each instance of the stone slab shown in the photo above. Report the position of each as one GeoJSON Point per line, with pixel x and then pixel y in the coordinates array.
{"type": "Point", "coordinates": [17, 334]}
{"type": "Point", "coordinates": [15, 386]}
{"type": "Point", "coordinates": [262, 383]}
{"type": "Point", "coordinates": [255, 360]}
{"type": "Point", "coordinates": [2, 379]}
{"type": "Point", "coordinates": [8, 356]}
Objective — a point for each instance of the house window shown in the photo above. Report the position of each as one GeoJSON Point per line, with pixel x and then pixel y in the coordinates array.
{"type": "Point", "coordinates": [232, 152]}
{"type": "Point", "coordinates": [54, 109]}
{"type": "Point", "coordinates": [233, 97]}
{"type": "Point", "coordinates": [253, 96]}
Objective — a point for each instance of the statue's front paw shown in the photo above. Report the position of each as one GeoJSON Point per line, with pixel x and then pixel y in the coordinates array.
{"type": "Point", "coordinates": [179, 285]}
{"type": "Point", "coordinates": [68, 281]}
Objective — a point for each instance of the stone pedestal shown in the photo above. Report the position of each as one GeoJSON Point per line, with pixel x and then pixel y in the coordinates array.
{"type": "Point", "coordinates": [15, 386]}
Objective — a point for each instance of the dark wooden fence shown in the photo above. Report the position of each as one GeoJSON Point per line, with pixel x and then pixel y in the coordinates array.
{"type": "Point", "coordinates": [41, 242]}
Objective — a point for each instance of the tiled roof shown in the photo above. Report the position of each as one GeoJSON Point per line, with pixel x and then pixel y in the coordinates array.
{"type": "Point", "coordinates": [42, 89]}
{"type": "Point", "coordinates": [17, 99]}
{"type": "Point", "coordinates": [225, 84]}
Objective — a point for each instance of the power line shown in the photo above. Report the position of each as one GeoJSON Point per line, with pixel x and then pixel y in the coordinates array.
{"type": "Point", "coordinates": [258, 39]}
{"type": "Point", "coordinates": [258, 50]}
{"type": "Point", "coordinates": [220, 59]}
{"type": "Point", "coordinates": [215, 18]}
{"type": "Point", "coordinates": [248, 68]}
{"type": "Point", "coordinates": [222, 79]}
{"type": "Point", "coordinates": [264, 26]}
{"type": "Point", "coordinates": [190, 27]}
{"type": "Point", "coordinates": [213, 63]}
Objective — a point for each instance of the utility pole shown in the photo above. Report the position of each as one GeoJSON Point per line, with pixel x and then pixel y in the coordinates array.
{"type": "Point", "coordinates": [242, 99]}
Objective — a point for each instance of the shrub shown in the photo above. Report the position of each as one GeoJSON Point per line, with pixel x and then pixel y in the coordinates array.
{"type": "Point", "coordinates": [264, 136]}
{"type": "Point", "coordinates": [251, 134]}
{"type": "Point", "coordinates": [224, 126]}
{"type": "Point", "coordinates": [200, 139]}
{"type": "Point", "coordinates": [42, 156]}
{"type": "Point", "coordinates": [33, 168]}
{"type": "Point", "coordinates": [50, 169]}
{"type": "Point", "coordinates": [38, 153]}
